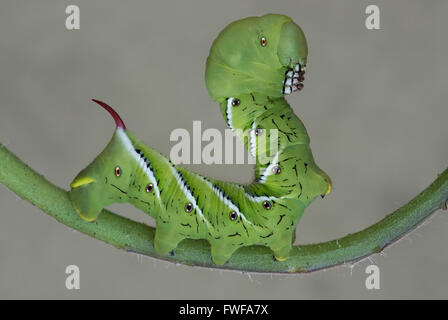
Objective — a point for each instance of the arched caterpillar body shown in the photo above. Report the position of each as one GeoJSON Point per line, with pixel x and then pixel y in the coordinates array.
{"type": "Point", "coordinates": [252, 64]}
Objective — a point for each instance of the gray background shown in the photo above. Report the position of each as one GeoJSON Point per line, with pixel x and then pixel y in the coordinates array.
{"type": "Point", "coordinates": [374, 105]}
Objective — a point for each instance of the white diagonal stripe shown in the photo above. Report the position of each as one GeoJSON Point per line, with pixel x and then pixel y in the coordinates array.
{"type": "Point", "coordinates": [130, 148]}
{"type": "Point", "coordinates": [187, 193]}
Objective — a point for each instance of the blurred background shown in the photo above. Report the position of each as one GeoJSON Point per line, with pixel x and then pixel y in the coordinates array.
{"type": "Point", "coordinates": [374, 104]}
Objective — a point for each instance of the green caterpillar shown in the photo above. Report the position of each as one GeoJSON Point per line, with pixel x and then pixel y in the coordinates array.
{"type": "Point", "coordinates": [252, 65]}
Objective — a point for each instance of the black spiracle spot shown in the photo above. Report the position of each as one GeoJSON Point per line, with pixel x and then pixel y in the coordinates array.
{"type": "Point", "coordinates": [149, 187]}
{"type": "Point", "coordinates": [276, 170]}
{"type": "Point", "coordinates": [267, 205]}
{"type": "Point", "coordinates": [188, 207]}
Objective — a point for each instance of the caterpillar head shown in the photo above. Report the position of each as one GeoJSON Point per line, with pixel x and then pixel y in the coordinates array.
{"type": "Point", "coordinates": [264, 54]}
{"type": "Point", "coordinates": [106, 180]}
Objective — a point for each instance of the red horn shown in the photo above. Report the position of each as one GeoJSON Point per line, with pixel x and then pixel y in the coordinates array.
{"type": "Point", "coordinates": [113, 113]}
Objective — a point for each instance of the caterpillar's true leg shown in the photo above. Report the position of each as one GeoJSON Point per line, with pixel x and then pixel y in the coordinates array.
{"type": "Point", "coordinates": [222, 252]}
{"type": "Point", "coordinates": [166, 239]}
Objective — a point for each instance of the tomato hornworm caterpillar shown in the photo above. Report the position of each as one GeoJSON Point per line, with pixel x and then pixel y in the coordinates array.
{"type": "Point", "coordinates": [252, 65]}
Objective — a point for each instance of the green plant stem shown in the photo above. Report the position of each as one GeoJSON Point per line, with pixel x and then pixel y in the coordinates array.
{"type": "Point", "coordinates": [129, 235]}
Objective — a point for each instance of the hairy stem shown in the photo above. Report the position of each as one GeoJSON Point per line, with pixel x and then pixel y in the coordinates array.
{"type": "Point", "coordinates": [136, 237]}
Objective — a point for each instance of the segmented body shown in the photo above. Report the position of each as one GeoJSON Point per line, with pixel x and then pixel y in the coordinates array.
{"type": "Point", "coordinates": [188, 205]}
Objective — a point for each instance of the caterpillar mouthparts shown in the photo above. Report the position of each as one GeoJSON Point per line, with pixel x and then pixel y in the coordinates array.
{"type": "Point", "coordinates": [293, 79]}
